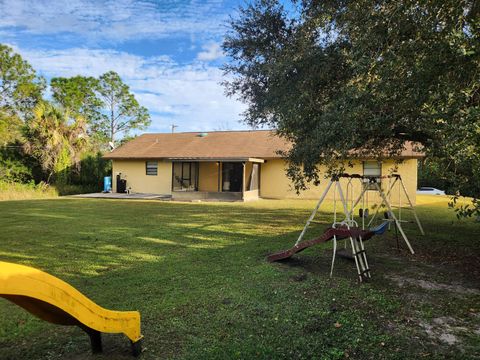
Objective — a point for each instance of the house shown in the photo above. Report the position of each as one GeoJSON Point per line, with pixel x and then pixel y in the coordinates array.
{"type": "Point", "coordinates": [228, 165]}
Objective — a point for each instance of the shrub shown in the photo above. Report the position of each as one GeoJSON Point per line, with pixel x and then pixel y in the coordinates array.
{"type": "Point", "coordinates": [89, 177]}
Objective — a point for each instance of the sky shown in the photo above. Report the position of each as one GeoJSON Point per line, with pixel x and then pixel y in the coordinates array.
{"type": "Point", "coordinates": [167, 51]}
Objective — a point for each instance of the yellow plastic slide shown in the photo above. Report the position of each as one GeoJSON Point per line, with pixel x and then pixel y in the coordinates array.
{"type": "Point", "coordinates": [53, 300]}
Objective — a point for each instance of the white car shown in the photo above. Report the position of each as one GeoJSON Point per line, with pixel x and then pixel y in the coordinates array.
{"type": "Point", "coordinates": [430, 191]}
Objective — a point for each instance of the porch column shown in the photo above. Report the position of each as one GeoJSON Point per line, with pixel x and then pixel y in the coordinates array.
{"type": "Point", "coordinates": [219, 168]}
{"type": "Point", "coordinates": [243, 181]}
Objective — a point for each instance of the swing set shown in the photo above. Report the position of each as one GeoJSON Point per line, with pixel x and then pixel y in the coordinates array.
{"type": "Point", "coordinates": [348, 228]}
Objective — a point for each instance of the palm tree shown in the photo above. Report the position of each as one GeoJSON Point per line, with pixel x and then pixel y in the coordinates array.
{"type": "Point", "coordinates": [56, 140]}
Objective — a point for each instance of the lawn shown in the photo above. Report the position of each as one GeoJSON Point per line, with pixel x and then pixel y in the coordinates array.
{"type": "Point", "coordinates": [197, 274]}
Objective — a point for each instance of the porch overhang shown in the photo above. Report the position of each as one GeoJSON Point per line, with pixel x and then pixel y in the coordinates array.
{"type": "Point", "coordinates": [194, 159]}
{"type": "Point", "coordinates": [207, 196]}
{"type": "Point", "coordinates": [222, 178]}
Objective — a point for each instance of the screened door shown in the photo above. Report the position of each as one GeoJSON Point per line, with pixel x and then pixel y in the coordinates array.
{"type": "Point", "coordinates": [185, 176]}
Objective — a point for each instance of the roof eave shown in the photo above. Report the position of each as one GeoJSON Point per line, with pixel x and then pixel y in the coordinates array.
{"type": "Point", "coordinates": [192, 159]}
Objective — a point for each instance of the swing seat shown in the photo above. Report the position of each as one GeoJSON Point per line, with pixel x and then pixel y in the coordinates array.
{"type": "Point", "coordinates": [380, 229]}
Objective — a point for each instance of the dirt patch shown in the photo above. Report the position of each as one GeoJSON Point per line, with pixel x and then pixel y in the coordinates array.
{"type": "Point", "coordinates": [299, 277]}
{"type": "Point", "coordinates": [455, 326]}
{"type": "Point", "coordinates": [430, 285]}
{"type": "Point", "coordinates": [445, 329]}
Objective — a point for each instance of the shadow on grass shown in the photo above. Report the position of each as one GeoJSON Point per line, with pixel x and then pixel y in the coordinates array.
{"type": "Point", "coordinates": [197, 274]}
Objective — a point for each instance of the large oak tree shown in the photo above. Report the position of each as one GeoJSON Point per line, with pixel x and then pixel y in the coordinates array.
{"type": "Point", "coordinates": [333, 76]}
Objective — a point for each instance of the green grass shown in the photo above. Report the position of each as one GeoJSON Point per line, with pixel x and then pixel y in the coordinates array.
{"type": "Point", "coordinates": [197, 274]}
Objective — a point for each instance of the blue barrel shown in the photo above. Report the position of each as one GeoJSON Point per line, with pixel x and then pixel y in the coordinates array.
{"type": "Point", "coordinates": [107, 184]}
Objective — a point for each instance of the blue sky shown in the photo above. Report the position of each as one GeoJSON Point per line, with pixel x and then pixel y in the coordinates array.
{"type": "Point", "coordinates": [168, 52]}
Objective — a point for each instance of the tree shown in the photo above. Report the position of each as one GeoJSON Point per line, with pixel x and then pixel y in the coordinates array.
{"type": "Point", "coordinates": [337, 76]}
{"type": "Point", "coordinates": [10, 128]}
{"type": "Point", "coordinates": [122, 110]}
{"type": "Point", "coordinates": [20, 87]}
{"type": "Point", "coordinates": [14, 165]}
{"type": "Point", "coordinates": [78, 94]}
{"type": "Point", "coordinates": [56, 140]}
{"type": "Point", "coordinates": [20, 90]}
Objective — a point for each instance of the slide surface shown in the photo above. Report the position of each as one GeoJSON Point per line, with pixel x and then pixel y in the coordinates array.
{"type": "Point", "coordinates": [53, 300]}
{"type": "Point", "coordinates": [340, 233]}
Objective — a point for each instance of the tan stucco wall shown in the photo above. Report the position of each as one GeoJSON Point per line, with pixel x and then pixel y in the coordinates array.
{"type": "Point", "coordinates": [275, 184]}
{"type": "Point", "coordinates": [273, 180]}
{"type": "Point", "coordinates": [135, 173]}
{"type": "Point", "coordinates": [208, 176]}
{"type": "Point", "coordinates": [250, 195]}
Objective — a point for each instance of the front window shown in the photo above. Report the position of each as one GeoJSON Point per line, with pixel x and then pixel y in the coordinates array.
{"type": "Point", "coordinates": [185, 176]}
{"type": "Point", "coordinates": [372, 169]}
{"type": "Point", "coordinates": [151, 168]}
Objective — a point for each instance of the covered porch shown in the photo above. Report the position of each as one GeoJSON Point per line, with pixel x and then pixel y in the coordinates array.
{"type": "Point", "coordinates": [216, 179]}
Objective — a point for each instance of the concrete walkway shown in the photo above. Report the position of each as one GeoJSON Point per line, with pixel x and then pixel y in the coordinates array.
{"type": "Point", "coordinates": [136, 196]}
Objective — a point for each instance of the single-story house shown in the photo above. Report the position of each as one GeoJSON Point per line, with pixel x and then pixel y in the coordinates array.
{"type": "Point", "coordinates": [228, 165]}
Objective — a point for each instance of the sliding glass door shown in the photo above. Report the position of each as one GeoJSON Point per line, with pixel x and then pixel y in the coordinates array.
{"type": "Point", "coordinates": [232, 176]}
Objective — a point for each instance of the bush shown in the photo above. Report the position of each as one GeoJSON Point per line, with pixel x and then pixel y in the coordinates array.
{"type": "Point", "coordinates": [15, 166]}
{"type": "Point", "coordinates": [86, 177]}
{"type": "Point", "coordinates": [430, 174]}
{"type": "Point", "coordinates": [89, 177]}
{"type": "Point", "coordinates": [465, 180]}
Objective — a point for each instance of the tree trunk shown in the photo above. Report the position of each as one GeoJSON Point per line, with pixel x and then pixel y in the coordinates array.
{"type": "Point", "coordinates": [112, 123]}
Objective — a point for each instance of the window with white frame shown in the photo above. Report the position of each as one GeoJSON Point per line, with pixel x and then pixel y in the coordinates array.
{"type": "Point", "coordinates": [372, 169]}
{"type": "Point", "coordinates": [151, 168]}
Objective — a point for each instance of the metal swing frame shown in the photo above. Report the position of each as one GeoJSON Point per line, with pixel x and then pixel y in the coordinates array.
{"type": "Point", "coordinates": [358, 249]}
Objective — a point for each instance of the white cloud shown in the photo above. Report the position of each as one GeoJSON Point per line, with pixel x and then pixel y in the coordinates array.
{"type": "Point", "coordinates": [92, 62]}
{"type": "Point", "coordinates": [115, 20]}
{"type": "Point", "coordinates": [188, 95]}
{"type": "Point", "coordinates": [211, 51]}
